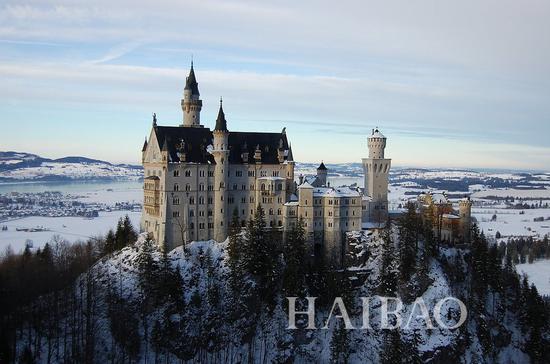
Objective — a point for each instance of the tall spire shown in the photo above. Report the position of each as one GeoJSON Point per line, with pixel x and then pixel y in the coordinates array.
{"type": "Point", "coordinates": [221, 123]}
{"type": "Point", "coordinates": [144, 145]}
{"type": "Point", "coordinates": [191, 82]}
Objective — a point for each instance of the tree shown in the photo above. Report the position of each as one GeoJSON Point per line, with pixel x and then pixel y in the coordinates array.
{"type": "Point", "coordinates": [294, 252]}
{"type": "Point", "coordinates": [339, 345]}
{"type": "Point", "coordinates": [388, 271]}
{"type": "Point", "coordinates": [392, 350]}
{"type": "Point", "coordinates": [408, 241]}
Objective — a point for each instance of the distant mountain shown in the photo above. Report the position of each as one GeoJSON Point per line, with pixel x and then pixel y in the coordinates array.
{"type": "Point", "coordinates": [21, 166]}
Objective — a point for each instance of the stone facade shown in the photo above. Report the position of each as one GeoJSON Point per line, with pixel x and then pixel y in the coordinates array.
{"type": "Point", "coordinates": [449, 225]}
{"type": "Point", "coordinates": [196, 178]}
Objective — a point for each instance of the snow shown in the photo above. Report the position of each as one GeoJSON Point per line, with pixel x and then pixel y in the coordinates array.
{"type": "Point", "coordinates": [72, 171]}
{"type": "Point", "coordinates": [511, 192]}
{"type": "Point", "coordinates": [538, 273]}
{"type": "Point", "coordinates": [69, 228]}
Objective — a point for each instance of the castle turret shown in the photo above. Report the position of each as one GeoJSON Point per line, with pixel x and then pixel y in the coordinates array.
{"type": "Point", "coordinates": [376, 169]}
{"type": "Point", "coordinates": [191, 104]}
{"type": "Point", "coordinates": [465, 212]}
{"type": "Point", "coordinates": [322, 172]}
{"type": "Point", "coordinates": [221, 156]}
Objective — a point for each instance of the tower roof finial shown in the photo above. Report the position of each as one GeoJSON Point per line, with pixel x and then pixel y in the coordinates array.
{"type": "Point", "coordinates": [221, 123]}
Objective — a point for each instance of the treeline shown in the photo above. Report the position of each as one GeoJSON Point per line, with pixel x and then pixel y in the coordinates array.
{"type": "Point", "coordinates": [526, 250]}
{"type": "Point", "coordinates": [38, 294]}
{"type": "Point", "coordinates": [213, 323]}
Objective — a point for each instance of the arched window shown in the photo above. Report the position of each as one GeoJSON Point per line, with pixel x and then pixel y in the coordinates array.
{"type": "Point", "coordinates": [176, 187]}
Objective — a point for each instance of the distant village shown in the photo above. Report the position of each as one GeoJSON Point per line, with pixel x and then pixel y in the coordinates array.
{"type": "Point", "coordinates": [16, 205]}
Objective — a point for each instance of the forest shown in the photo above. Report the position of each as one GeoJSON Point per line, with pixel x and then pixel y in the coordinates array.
{"type": "Point", "coordinates": [120, 299]}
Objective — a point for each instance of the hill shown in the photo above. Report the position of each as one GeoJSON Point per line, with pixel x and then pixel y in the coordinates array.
{"type": "Point", "coordinates": [20, 166]}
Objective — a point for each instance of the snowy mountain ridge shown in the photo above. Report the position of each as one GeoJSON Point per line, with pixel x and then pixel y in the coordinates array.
{"type": "Point", "coordinates": [21, 166]}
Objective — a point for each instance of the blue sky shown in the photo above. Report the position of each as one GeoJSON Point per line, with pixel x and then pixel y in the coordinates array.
{"type": "Point", "coordinates": [451, 84]}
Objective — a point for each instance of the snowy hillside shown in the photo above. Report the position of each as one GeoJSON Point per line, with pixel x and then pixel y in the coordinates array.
{"type": "Point", "coordinates": [202, 329]}
{"type": "Point", "coordinates": [15, 166]}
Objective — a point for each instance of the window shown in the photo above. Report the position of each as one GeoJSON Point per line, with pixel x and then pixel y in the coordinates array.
{"type": "Point", "coordinates": [251, 173]}
{"type": "Point", "coordinates": [201, 225]}
{"type": "Point", "coordinates": [262, 187]}
{"type": "Point", "coordinates": [278, 211]}
{"type": "Point", "coordinates": [176, 173]}
{"type": "Point", "coordinates": [279, 186]}
{"type": "Point", "coordinates": [191, 200]}
{"type": "Point", "coordinates": [191, 213]}
{"type": "Point", "coordinates": [210, 225]}
{"type": "Point", "coordinates": [238, 173]}
{"type": "Point", "coordinates": [210, 187]}
{"type": "Point", "coordinates": [188, 187]}
{"type": "Point", "coordinates": [201, 173]}
{"type": "Point", "coordinates": [209, 212]}
{"type": "Point", "coordinates": [243, 187]}
{"type": "Point", "coordinates": [230, 199]}
{"type": "Point", "coordinates": [210, 173]}
{"type": "Point", "coordinates": [271, 211]}
{"type": "Point", "coordinates": [201, 187]}
{"type": "Point", "coordinates": [176, 187]}
{"type": "Point", "coordinates": [235, 186]}
{"type": "Point", "coordinates": [175, 214]}
{"type": "Point", "coordinates": [187, 173]}
{"type": "Point", "coordinates": [263, 173]}
{"type": "Point", "coordinates": [243, 199]}
{"type": "Point", "coordinates": [275, 174]}
{"type": "Point", "coordinates": [210, 200]}
{"type": "Point", "coordinates": [201, 200]}
{"type": "Point", "coordinates": [176, 201]}
{"type": "Point", "coordinates": [280, 223]}
{"type": "Point", "coordinates": [201, 213]}
{"type": "Point", "coordinates": [191, 225]}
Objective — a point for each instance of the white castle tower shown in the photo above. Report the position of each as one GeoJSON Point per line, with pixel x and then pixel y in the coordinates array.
{"type": "Point", "coordinates": [191, 104]}
{"type": "Point", "coordinates": [221, 155]}
{"type": "Point", "coordinates": [376, 169]}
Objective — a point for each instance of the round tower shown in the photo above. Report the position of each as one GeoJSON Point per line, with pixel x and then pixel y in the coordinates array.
{"type": "Point", "coordinates": [376, 169]}
{"type": "Point", "coordinates": [322, 173]}
{"type": "Point", "coordinates": [191, 104]}
{"type": "Point", "coordinates": [377, 144]}
{"type": "Point", "coordinates": [221, 156]}
{"type": "Point", "coordinates": [465, 212]}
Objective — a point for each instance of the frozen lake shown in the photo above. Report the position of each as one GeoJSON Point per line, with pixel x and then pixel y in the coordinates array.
{"type": "Point", "coordinates": [70, 228]}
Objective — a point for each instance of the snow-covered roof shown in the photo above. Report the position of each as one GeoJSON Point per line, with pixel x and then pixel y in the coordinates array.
{"type": "Point", "coordinates": [271, 178]}
{"type": "Point", "coordinates": [335, 192]}
{"type": "Point", "coordinates": [439, 198]}
{"type": "Point", "coordinates": [450, 216]}
{"type": "Point", "coordinates": [305, 185]}
{"type": "Point", "coordinates": [292, 203]}
{"type": "Point", "coordinates": [376, 134]}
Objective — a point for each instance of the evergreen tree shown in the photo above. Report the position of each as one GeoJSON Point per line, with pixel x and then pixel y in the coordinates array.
{"type": "Point", "coordinates": [339, 345]}
{"type": "Point", "coordinates": [392, 350]}
{"type": "Point", "coordinates": [294, 253]}
{"type": "Point", "coordinates": [388, 271]}
{"type": "Point", "coordinates": [408, 241]}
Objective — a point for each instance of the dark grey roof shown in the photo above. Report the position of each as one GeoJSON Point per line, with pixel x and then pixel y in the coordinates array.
{"type": "Point", "coordinates": [221, 123]}
{"type": "Point", "coordinates": [144, 145]}
{"type": "Point", "coordinates": [322, 167]}
{"type": "Point", "coordinates": [191, 82]}
{"type": "Point", "coordinates": [290, 157]}
{"type": "Point", "coordinates": [195, 141]}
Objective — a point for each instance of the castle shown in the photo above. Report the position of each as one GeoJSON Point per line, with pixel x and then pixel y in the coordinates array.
{"type": "Point", "coordinates": [449, 225]}
{"type": "Point", "coordinates": [196, 178]}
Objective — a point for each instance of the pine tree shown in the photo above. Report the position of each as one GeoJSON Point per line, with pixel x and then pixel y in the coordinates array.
{"type": "Point", "coordinates": [392, 349]}
{"type": "Point", "coordinates": [294, 253]}
{"type": "Point", "coordinates": [339, 345]}
{"type": "Point", "coordinates": [408, 242]}
{"type": "Point", "coordinates": [388, 272]}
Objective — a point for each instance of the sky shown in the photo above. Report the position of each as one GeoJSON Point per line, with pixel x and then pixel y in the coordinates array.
{"type": "Point", "coordinates": [450, 83]}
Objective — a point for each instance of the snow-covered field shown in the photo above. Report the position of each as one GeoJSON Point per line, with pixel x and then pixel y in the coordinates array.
{"type": "Point", "coordinates": [510, 222]}
{"type": "Point", "coordinates": [69, 228]}
{"type": "Point", "coordinates": [538, 273]}
{"type": "Point", "coordinates": [543, 193]}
